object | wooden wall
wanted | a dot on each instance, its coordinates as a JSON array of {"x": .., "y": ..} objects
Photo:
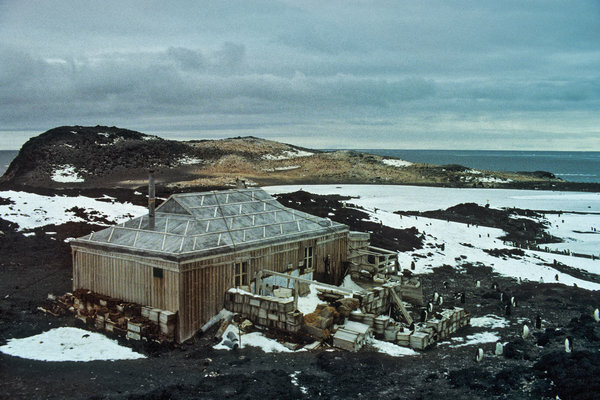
[
  {"x": 126, "y": 277},
  {"x": 196, "y": 289},
  {"x": 204, "y": 282}
]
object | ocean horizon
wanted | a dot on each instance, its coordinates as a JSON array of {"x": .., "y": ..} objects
[{"x": 572, "y": 166}]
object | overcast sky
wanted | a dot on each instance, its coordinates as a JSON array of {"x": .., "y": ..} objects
[{"x": 350, "y": 74}]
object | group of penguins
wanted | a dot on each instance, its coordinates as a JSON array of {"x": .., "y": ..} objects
[{"x": 508, "y": 303}]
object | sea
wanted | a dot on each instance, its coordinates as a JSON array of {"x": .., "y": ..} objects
[{"x": 574, "y": 166}]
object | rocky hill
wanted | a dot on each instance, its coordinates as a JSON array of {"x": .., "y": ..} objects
[{"x": 110, "y": 157}]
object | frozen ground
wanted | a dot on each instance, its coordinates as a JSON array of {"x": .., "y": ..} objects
[
  {"x": 31, "y": 211},
  {"x": 68, "y": 344},
  {"x": 464, "y": 243}
]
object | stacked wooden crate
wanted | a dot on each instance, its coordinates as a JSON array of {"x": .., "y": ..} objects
[
  {"x": 272, "y": 312},
  {"x": 123, "y": 318},
  {"x": 430, "y": 331}
]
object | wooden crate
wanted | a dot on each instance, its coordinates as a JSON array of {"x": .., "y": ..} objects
[
  {"x": 419, "y": 340},
  {"x": 347, "y": 340}
]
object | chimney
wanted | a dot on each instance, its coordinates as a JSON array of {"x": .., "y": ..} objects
[{"x": 151, "y": 200}]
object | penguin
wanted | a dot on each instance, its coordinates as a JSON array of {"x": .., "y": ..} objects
[
  {"x": 556, "y": 277},
  {"x": 513, "y": 302},
  {"x": 479, "y": 355},
  {"x": 520, "y": 280},
  {"x": 436, "y": 295},
  {"x": 569, "y": 344},
  {"x": 423, "y": 315},
  {"x": 499, "y": 349},
  {"x": 494, "y": 286},
  {"x": 525, "y": 332},
  {"x": 597, "y": 315},
  {"x": 412, "y": 265},
  {"x": 430, "y": 307},
  {"x": 541, "y": 279},
  {"x": 478, "y": 284},
  {"x": 507, "y": 310},
  {"x": 538, "y": 322},
  {"x": 445, "y": 285},
  {"x": 462, "y": 298},
  {"x": 441, "y": 300},
  {"x": 502, "y": 297},
  {"x": 411, "y": 327}
]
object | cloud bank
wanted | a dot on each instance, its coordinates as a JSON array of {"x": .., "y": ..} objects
[{"x": 466, "y": 74}]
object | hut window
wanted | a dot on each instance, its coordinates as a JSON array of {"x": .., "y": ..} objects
[
  {"x": 157, "y": 272},
  {"x": 308, "y": 257},
  {"x": 240, "y": 275}
]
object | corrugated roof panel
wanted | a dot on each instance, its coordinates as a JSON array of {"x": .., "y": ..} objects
[
  {"x": 205, "y": 212},
  {"x": 178, "y": 226},
  {"x": 251, "y": 217},
  {"x": 172, "y": 244},
  {"x": 123, "y": 237},
  {"x": 171, "y": 206},
  {"x": 149, "y": 240},
  {"x": 239, "y": 222},
  {"x": 229, "y": 210}
]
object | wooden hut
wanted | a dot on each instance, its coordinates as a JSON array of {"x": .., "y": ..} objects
[{"x": 183, "y": 256}]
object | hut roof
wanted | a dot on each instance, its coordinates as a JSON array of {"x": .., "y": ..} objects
[{"x": 192, "y": 225}]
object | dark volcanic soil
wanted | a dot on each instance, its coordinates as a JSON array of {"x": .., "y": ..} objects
[{"x": 532, "y": 368}]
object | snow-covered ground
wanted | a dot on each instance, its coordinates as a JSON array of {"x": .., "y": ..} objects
[
  {"x": 464, "y": 243},
  {"x": 68, "y": 344},
  {"x": 66, "y": 174},
  {"x": 396, "y": 163},
  {"x": 31, "y": 211},
  {"x": 287, "y": 154}
]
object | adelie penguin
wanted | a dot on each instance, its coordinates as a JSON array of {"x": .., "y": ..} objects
[
  {"x": 507, "y": 310},
  {"x": 597, "y": 315},
  {"x": 499, "y": 349},
  {"x": 430, "y": 307},
  {"x": 494, "y": 286},
  {"x": 513, "y": 302},
  {"x": 479, "y": 355},
  {"x": 538, "y": 322},
  {"x": 525, "y": 332},
  {"x": 436, "y": 296},
  {"x": 440, "y": 301},
  {"x": 462, "y": 298},
  {"x": 569, "y": 344},
  {"x": 424, "y": 315}
]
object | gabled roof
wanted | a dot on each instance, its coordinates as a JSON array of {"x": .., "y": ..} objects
[{"x": 196, "y": 224}]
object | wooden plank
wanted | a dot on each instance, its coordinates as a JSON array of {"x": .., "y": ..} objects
[{"x": 398, "y": 302}]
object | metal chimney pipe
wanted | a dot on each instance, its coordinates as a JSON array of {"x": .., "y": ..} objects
[{"x": 151, "y": 200}]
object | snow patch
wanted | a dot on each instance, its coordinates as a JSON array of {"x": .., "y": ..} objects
[
  {"x": 392, "y": 349},
  {"x": 490, "y": 321},
  {"x": 254, "y": 339},
  {"x": 477, "y": 338},
  {"x": 68, "y": 344},
  {"x": 188, "y": 160},
  {"x": 67, "y": 174},
  {"x": 32, "y": 211},
  {"x": 396, "y": 163},
  {"x": 287, "y": 154}
]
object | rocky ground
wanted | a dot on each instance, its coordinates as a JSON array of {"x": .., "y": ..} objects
[
  {"x": 531, "y": 368},
  {"x": 108, "y": 157}
]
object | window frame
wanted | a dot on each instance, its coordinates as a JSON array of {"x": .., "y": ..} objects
[{"x": 241, "y": 273}]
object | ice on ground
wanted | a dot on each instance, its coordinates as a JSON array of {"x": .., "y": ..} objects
[
  {"x": 476, "y": 338},
  {"x": 68, "y": 344},
  {"x": 392, "y": 349},
  {"x": 580, "y": 232},
  {"x": 66, "y": 174},
  {"x": 308, "y": 303},
  {"x": 490, "y": 321},
  {"x": 287, "y": 154},
  {"x": 396, "y": 163},
  {"x": 294, "y": 377},
  {"x": 348, "y": 283},
  {"x": 188, "y": 160},
  {"x": 422, "y": 198},
  {"x": 254, "y": 339},
  {"x": 32, "y": 211},
  {"x": 466, "y": 243}
]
